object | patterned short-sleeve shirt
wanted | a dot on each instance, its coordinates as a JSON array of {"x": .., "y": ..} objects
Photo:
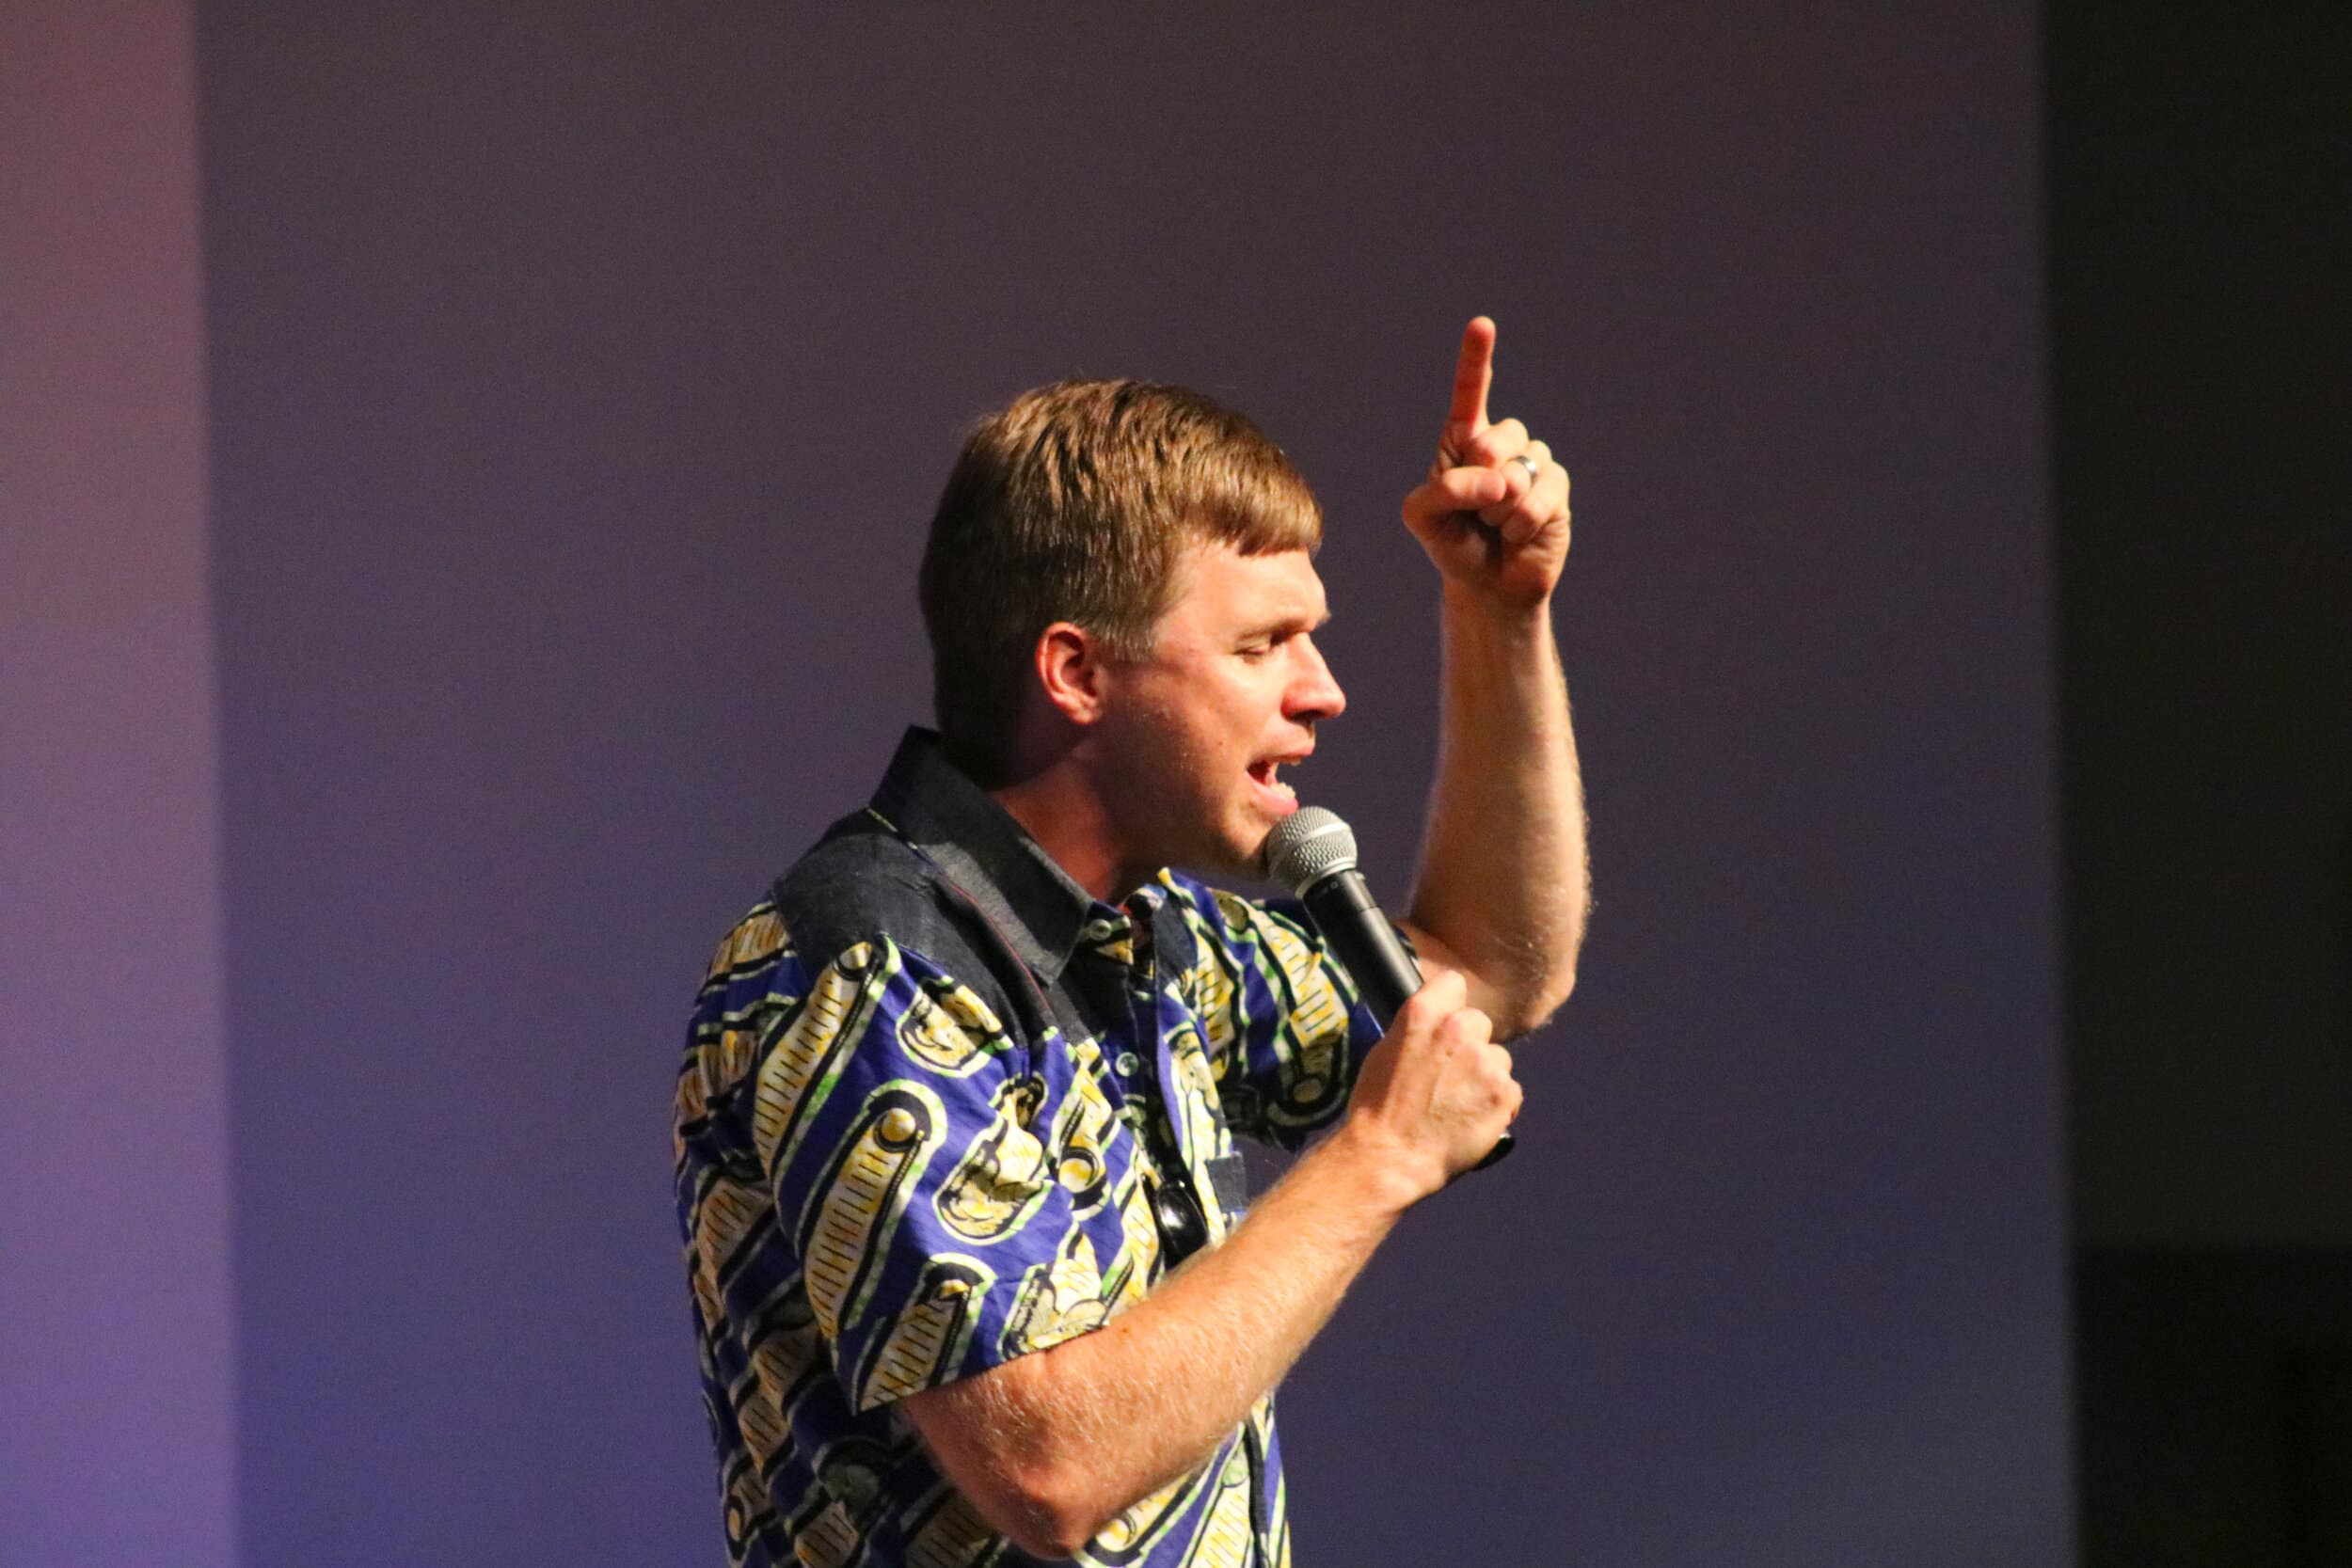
[{"x": 940, "y": 1109}]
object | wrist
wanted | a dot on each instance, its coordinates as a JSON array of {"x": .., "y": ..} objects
[
  {"x": 1388, "y": 1175},
  {"x": 1509, "y": 619}
]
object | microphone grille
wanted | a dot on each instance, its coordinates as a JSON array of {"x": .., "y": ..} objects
[{"x": 1307, "y": 846}]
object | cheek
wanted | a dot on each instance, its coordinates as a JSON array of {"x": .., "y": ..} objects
[
  {"x": 1181, "y": 739},
  {"x": 1205, "y": 722}
]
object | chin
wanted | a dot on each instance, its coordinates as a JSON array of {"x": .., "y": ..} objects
[
  {"x": 1225, "y": 843},
  {"x": 1224, "y": 856},
  {"x": 1242, "y": 853}
]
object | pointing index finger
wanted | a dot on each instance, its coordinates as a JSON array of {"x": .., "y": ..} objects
[{"x": 1473, "y": 374}]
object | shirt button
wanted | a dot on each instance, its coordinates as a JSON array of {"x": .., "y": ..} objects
[{"x": 1129, "y": 1064}]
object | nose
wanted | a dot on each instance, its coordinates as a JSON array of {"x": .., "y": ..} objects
[{"x": 1314, "y": 692}]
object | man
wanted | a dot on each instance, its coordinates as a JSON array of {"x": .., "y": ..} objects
[{"x": 960, "y": 1096}]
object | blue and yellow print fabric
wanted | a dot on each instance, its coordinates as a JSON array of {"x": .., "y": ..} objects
[{"x": 883, "y": 1188}]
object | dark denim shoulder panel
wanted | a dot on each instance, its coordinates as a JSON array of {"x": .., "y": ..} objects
[{"x": 861, "y": 882}]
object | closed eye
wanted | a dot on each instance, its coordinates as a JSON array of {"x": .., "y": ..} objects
[{"x": 1261, "y": 643}]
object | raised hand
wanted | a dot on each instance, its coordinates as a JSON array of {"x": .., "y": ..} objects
[{"x": 1493, "y": 512}]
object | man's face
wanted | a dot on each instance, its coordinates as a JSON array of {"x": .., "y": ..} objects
[{"x": 1195, "y": 731}]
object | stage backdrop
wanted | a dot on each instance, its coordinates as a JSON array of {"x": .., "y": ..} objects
[
  {"x": 580, "y": 381},
  {"x": 117, "y": 1385}
]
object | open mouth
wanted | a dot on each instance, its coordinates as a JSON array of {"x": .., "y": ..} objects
[{"x": 1277, "y": 796}]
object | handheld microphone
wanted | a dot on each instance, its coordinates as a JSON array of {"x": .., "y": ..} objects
[{"x": 1313, "y": 852}]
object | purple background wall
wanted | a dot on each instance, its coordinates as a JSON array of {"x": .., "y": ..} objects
[
  {"x": 115, "y": 1389},
  {"x": 578, "y": 387}
]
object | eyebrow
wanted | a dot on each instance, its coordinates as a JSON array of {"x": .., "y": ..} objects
[{"x": 1287, "y": 622}]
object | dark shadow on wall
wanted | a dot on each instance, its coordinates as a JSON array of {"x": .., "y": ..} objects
[
  {"x": 2199, "y": 246},
  {"x": 2217, "y": 1405}
]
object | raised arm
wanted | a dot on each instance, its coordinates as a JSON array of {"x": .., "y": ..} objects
[{"x": 1504, "y": 884}]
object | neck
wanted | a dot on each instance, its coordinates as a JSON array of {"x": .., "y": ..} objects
[{"x": 1060, "y": 806}]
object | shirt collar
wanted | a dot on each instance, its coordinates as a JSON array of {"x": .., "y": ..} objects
[{"x": 1032, "y": 901}]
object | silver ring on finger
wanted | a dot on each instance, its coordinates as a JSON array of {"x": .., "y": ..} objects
[{"x": 1535, "y": 470}]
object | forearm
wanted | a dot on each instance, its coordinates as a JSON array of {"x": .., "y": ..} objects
[
  {"x": 1504, "y": 883},
  {"x": 1053, "y": 1445}
]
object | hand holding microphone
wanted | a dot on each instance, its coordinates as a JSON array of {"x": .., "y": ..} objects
[{"x": 1446, "y": 1071}]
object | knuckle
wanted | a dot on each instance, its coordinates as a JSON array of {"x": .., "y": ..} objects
[
  {"x": 1499, "y": 442},
  {"x": 1427, "y": 1010},
  {"x": 1472, "y": 1026}
]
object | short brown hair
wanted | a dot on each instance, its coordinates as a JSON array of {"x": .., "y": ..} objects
[{"x": 1074, "y": 504}]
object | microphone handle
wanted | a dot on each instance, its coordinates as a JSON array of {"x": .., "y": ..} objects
[{"x": 1364, "y": 942}]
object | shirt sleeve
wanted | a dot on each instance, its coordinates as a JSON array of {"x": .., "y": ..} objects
[
  {"x": 1287, "y": 1028},
  {"x": 943, "y": 1185}
]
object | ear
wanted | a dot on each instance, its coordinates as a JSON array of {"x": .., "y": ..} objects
[{"x": 1072, "y": 670}]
